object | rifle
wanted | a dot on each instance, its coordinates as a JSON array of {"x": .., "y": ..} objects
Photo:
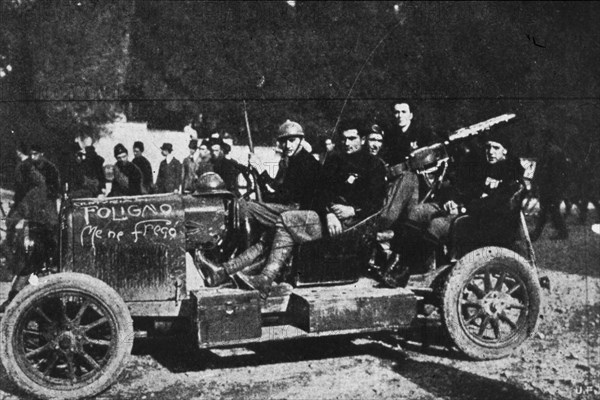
[{"x": 252, "y": 171}]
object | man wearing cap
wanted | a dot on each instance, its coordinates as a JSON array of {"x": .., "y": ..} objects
[
  {"x": 127, "y": 179},
  {"x": 169, "y": 172},
  {"x": 190, "y": 165},
  {"x": 351, "y": 188},
  {"x": 491, "y": 203},
  {"x": 226, "y": 168},
  {"x": 144, "y": 165},
  {"x": 292, "y": 188}
]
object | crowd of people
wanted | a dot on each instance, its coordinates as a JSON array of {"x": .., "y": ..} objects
[{"x": 312, "y": 195}]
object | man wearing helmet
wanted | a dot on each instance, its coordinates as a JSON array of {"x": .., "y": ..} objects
[
  {"x": 292, "y": 188},
  {"x": 351, "y": 188}
]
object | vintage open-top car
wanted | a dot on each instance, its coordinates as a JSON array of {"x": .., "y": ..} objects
[{"x": 127, "y": 265}]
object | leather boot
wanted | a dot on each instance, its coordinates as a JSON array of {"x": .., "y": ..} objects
[
  {"x": 283, "y": 244},
  {"x": 217, "y": 274},
  {"x": 396, "y": 273}
]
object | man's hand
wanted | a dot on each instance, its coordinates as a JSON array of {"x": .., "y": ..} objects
[
  {"x": 334, "y": 226},
  {"x": 256, "y": 163},
  {"x": 342, "y": 212},
  {"x": 451, "y": 207}
]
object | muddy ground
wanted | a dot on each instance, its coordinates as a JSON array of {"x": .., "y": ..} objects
[{"x": 562, "y": 361}]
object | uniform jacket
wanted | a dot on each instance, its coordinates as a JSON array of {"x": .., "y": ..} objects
[
  {"x": 295, "y": 182},
  {"x": 357, "y": 180},
  {"x": 398, "y": 145}
]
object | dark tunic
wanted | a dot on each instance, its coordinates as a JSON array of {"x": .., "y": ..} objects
[
  {"x": 398, "y": 145},
  {"x": 228, "y": 170},
  {"x": 357, "y": 180},
  {"x": 144, "y": 165},
  {"x": 127, "y": 180},
  {"x": 295, "y": 182},
  {"x": 169, "y": 176}
]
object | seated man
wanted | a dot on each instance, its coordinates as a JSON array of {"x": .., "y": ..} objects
[
  {"x": 292, "y": 188},
  {"x": 351, "y": 188},
  {"x": 489, "y": 203}
]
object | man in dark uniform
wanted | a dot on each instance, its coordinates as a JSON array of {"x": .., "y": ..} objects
[
  {"x": 550, "y": 176},
  {"x": 169, "y": 172},
  {"x": 144, "y": 165},
  {"x": 127, "y": 179},
  {"x": 491, "y": 204},
  {"x": 292, "y": 188},
  {"x": 226, "y": 168},
  {"x": 399, "y": 141},
  {"x": 351, "y": 188}
]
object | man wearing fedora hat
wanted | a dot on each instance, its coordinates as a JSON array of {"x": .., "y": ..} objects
[
  {"x": 169, "y": 172},
  {"x": 127, "y": 179},
  {"x": 293, "y": 188}
]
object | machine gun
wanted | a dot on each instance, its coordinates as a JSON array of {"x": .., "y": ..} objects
[{"x": 429, "y": 160}]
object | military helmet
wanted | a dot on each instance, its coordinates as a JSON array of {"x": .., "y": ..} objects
[
  {"x": 210, "y": 182},
  {"x": 290, "y": 129}
]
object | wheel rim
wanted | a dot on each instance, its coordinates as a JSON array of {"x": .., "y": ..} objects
[
  {"x": 494, "y": 305},
  {"x": 65, "y": 341}
]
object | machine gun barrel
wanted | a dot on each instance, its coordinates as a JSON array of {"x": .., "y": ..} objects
[{"x": 479, "y": 127}]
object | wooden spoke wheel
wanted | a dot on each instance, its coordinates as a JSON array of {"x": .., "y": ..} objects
[
  {"x": 67, "y": 337},
  {"x": 491, "y": 302}
]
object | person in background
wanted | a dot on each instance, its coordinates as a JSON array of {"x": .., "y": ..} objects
[
  {"x": 226, "y": 168},
  {"x": 204, "y": 158},
  {"x": 190, "y": 131},
  {"x": 190, "y": 165},
  {"x": 550, "y": 177},
  {"x": 21, "y": 185},
  {"x": 144, "y": 166},
  {"x": 127, "y": 179},
  {"x": 94, "y": 167},
  {"x": 374, "y": 140},
  {"x": 169, "y": 172}
]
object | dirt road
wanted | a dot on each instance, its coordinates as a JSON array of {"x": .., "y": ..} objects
[{"x": 560, "y": 362}]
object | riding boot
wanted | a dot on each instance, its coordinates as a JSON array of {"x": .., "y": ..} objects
[
  {"x": 218, "y": 274},
  {"x": 283, "y": 244}
]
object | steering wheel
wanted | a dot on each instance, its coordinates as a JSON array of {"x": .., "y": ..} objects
[{"x": 249, "y": 189}]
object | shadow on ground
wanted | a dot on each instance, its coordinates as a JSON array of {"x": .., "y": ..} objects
[{"x": 439, "y": 380}]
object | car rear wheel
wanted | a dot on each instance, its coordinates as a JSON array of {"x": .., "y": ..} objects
[
  {"x": 66, "y": 337},
  {"x": 491, "y": 302}
]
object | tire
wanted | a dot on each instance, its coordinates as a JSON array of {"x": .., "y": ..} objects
[
  {"x": 67, "y": 337},
  {"x": 491, "y": 302}
]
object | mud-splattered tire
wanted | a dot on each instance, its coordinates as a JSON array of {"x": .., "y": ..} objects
[
  {"x": 67, "y": 337},
  {"x": 491, "y": 302}
]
